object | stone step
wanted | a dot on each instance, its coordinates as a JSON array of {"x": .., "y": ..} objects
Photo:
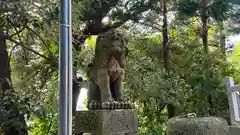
[{"x": 234, "y": 130}]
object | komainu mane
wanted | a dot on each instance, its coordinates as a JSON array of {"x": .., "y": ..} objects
[{"x": 106, "y": 72}]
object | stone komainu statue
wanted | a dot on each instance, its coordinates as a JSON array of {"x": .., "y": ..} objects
[{"x": 106, "y": 72}]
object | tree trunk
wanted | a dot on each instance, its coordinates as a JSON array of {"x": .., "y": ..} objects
[
  {"x": 171, "y": 109},
  {"x": 5, "y": 80},
  {"x": 204, "y": 19},
  {"x": 222, "y": 39},
  {"x": 204, "y": 34}
]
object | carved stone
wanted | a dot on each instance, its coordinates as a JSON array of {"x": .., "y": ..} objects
[
  {"x": 106, "y": 122},
  {"x": 106, "y": 72},
  {"x": 234, "y": 106},
  {"x": 198, "y": 126},
  {"x": 234, "y": 102},
  {"x": 234, "y": 130}
]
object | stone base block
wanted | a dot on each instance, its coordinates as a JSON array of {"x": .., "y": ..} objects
[
  {"x": 198, "y": 126},
  {"x": 106, "y": 122},
  {"x": 234, "y": 130}
]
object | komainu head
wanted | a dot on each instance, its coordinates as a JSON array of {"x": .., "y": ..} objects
[{"x": 111, "y": 43}]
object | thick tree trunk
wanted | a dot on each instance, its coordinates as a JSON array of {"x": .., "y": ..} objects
[
  {"x": 6, "y": 85},
  {"x": 171, "y": 109}
]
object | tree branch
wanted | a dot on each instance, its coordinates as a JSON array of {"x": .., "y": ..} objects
[
  {"x": 25, "y": 53},
  {"x": 7, "y": 37},
  {"x": 50, "y": 125},
  {"x": 18, "y": 32},
  {"x": 41, "y": 40},
  {"x": 98, "y": 28},
  {"x": 10, "y": 55},
  {"x": 149, "y": 25},
  {"x": 3, "y": 10}
]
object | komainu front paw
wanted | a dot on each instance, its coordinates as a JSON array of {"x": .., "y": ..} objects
[
  {"x": 93, "y": 105},
  {"x": 107, "y": 104},
  {"x": 123, "y": 105}
]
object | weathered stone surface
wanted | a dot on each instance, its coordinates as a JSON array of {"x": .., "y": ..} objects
[
  {"x": 97, "y": 105},
  {"x": 198, "y": 126},
  {"x": 106, "y": 72},
  {"x": 234, "y": 130},
  {"x": 233, "y": 99},
  {"x": 106, "y": 122}
]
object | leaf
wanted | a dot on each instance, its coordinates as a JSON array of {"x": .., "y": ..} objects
[
  {"x": 91, "y": 41},
  {"x": 53, "y": 47}
]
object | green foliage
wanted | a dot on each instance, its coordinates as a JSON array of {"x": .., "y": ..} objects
[
  {"x": 190, "y": 8},
  {"x": 219, "y": 9},
  {"x": 149, "y": 87},
  {"x": 91, "y": 41},
  {"x": 93, "y": 11},
  {"x": 45, "y": 125},
  {"x": 234, "y": 57},
  {"x": 10, "y": 104}
]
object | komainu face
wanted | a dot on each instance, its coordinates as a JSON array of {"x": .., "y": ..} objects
[
  {"x": 112, "y": 40},
  {"x": 111, "y": 43}
]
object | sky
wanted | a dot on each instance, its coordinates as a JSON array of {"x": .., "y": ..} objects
[
  {"x": 234, "y": 39},
  {"x": 82, "y": 96}
]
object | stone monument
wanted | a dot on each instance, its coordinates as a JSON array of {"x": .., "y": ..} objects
[
  {"x": 109, "y": 112},
  {"x": 234, "y": 105},
  {"x": 192, "y": 125}
]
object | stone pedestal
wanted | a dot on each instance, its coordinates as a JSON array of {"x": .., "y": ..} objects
[
  {"x": 106, "y": 122},
  {"x": 198, "y": 126},
  {"x": 234, "y": 130}
]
